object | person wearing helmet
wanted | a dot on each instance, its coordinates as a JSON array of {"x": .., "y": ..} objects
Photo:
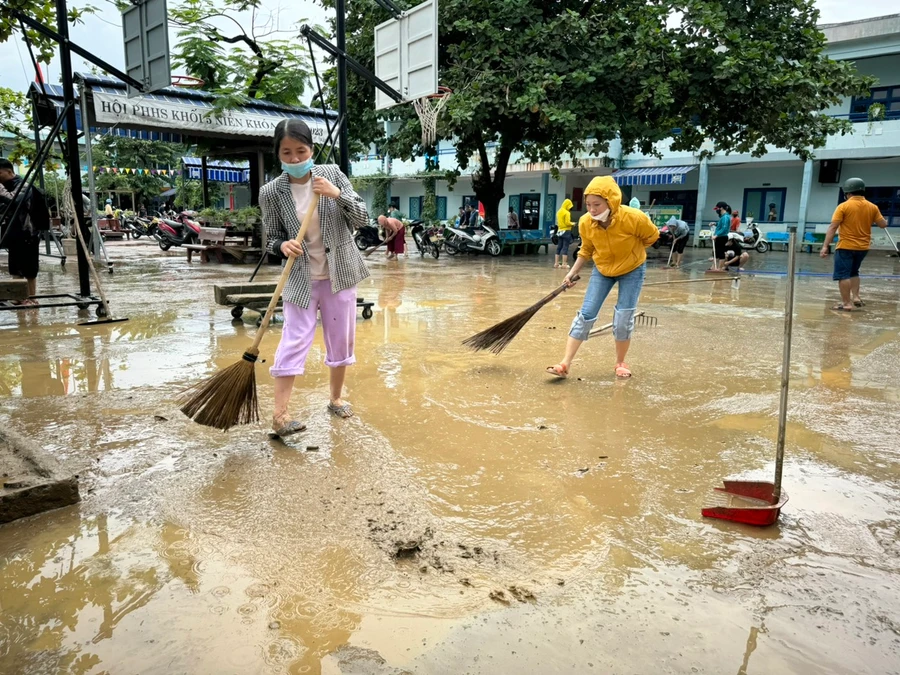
[
  {"x": 108, "y": 212},
  {"x": 720, "y": 236},
  {"x": 614, "y": 238},
  {"x": 852, "y": 220}
]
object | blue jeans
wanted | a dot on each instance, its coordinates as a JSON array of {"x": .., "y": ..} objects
[
  {"x": 563, "y": 239},
  {"x": 599, "y": 287}
]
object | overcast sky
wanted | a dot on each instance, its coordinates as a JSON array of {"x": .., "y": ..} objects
[{"x": 102, "y": 32}]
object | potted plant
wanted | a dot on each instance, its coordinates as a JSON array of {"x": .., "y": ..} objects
[
  {"x": 207, "y": 216},
  {"x": 876, "y": 114}
]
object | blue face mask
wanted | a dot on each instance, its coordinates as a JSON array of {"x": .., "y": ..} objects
[{"x": 298, "y": 170}]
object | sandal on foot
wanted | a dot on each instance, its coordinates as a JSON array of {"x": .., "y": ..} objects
[
  {"x": 559, "y": 370},
  {"x": 859, "y": 303},
  {"x": 840, "y": 308},
  {"x": 342, "y": 411},
  {"x": 623, "y": 371},
  {"x": 289, "y": 429}
]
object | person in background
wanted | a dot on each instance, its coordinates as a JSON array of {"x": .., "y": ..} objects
[
  {"x": 720, "y": 235},
  {"x": 735, "y": 255},
  {"x": 680, "y": 232},
  {"x": 142, "y": 212},
  {"x": 563, "y": 234},
  {"x": 460, "y": 218},
  {"x": 773, "y": 214},
  {"x": 467, "y": 218},
  {"x": 852, "y": 220},
  {"x": 635, "y": 203},
  {"x": 108, "y": 211},
  {"x": 394, "y": 212},
  {"x": 396, "y": 230},
  {"x": 614, "y": 239},
  {"x": 735, "y": 221},
  {"x": 22, "y": 238},
  {"x": 512, "y": 220},
  {"x": 326, "y": 272}
]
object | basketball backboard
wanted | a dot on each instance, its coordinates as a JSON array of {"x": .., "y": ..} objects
[
  {"x": 145, "y": 29},
  {"x": 406, "y": 54}
]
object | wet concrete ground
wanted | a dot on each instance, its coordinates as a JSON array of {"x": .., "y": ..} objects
[{"x": 557, "y": 522}]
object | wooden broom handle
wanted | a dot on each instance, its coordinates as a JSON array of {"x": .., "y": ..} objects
[
  {"x": 563, "y": 287},
  {"x": 285, "y": 273}
]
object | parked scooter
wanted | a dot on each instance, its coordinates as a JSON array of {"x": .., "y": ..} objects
[
  {"x": 422, "y": 235},
  {"x": 139, "y": 227},
  {"x": 484, "y": 238},
  {"x": 368, "y": 236},
  {"x": 751, "y": 239},
  {"x": 181, "y": 230}
]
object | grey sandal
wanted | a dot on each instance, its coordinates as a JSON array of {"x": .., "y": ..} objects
[
  {"x": 289, "y": 429},
  {"x": 342, "y": 411}
]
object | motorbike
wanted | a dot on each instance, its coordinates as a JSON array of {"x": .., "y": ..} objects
[
  {"x": 139, "y": 227},
  {"x": 367, "y": 236},
  {"x": 459, "y": 240},
  {"x": 751, "y": 239},
  {"x": 422, "y": 235},
  {"x": 181, "y": 230}
]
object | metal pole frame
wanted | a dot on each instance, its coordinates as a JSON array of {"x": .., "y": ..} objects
[{"x": 785, "y": 359}]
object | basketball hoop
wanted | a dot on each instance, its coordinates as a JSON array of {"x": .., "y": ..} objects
[
  {"x": 187, "y": 82},
  {"x": 428, "y": 108}
]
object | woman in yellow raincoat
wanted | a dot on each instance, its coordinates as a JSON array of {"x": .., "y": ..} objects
[
  {"x": 614, "y": 237},
  {"x": 563, "y": 234}
]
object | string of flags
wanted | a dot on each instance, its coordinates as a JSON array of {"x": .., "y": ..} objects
[{"x": 139, "y": 172}]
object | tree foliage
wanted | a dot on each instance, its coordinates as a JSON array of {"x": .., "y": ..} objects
[
  {"x": 240, "y": 61},
  {"x": 546, "y": 79},
  {"x": 43, "y": 11},
  {"x": 132, "y": 153}
]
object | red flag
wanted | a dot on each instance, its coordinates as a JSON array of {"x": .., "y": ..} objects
[{"x": 39, "y": 75}]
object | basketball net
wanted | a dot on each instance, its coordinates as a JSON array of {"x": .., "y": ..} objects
[{"x": 428, "y": 108}]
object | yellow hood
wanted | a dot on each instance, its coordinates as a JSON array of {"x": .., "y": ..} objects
[
  {"x": 567, "y": 204},
  {"x": 606, "y": 187}
]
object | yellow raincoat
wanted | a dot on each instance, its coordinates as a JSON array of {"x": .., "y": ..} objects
[
  {"x": 621, "y": 247},
  {"x": 564, "y": 217}
]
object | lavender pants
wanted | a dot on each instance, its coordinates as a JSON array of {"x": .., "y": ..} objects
[{"x": 338, "y": 325}]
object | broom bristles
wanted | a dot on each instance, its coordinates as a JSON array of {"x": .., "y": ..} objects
[
  {"x": 497, "y": 337},
  {"x": 225, "y": 399}
]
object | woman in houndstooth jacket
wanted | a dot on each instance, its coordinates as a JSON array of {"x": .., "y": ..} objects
[{"x": 326, "y": 272}]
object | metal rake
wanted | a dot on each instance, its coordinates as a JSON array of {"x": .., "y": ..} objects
[{"x": 640, "y": 319}]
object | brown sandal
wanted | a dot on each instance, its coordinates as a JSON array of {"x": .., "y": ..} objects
[{"x": 560, "y": 370}]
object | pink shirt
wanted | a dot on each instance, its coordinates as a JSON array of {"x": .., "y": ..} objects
[{"x": 315, "y": 247}]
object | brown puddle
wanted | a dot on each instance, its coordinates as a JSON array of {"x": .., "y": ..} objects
[{"x": 475, "y": 516}]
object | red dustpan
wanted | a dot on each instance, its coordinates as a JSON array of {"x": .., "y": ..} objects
[{"x": 760, "y": 502}]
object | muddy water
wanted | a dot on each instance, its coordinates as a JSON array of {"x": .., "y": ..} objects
[{"x": 542, "y": 526}]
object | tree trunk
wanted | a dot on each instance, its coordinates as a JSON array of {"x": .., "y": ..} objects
[{"x": 488, "y": 188}]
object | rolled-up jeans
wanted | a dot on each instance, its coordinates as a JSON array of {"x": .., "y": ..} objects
[
  {"x": 598, "y": 288},
  {"x": 563, "y": 241}
]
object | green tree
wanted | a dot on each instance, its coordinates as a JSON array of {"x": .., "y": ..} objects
[
  {"x": 552, "y": 78},
  {"x": 43, "y": 11},
  {"x": 236, "y": 60},
  {"x": 132, "y": 153}
]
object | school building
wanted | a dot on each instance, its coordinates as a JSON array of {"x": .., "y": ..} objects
[{"x": 770, "y": 189}]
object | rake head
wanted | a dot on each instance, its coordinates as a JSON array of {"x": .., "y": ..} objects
[{"x": 644, "y": 320}]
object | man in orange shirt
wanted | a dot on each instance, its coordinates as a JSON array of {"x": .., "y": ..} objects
[{"x": 853, "y": 220}]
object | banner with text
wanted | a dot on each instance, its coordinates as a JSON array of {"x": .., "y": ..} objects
[{"x": 110, "y": 109}]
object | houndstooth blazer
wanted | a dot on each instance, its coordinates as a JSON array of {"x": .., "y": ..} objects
[{"x": 338, "y": 217}]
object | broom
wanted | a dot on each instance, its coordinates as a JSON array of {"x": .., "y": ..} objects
[
  {"x": 369, "y": 251},
  {"x": 229, "y": 397},
  {"x": 496, "y": 338}
]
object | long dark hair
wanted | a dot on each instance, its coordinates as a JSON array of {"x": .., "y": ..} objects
[{"x": 292, "y": 128}]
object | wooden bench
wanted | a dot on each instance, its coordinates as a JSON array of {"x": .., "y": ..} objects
[
  {"x": 515, "y": 239},
  {"x": 211, "y": 239}
]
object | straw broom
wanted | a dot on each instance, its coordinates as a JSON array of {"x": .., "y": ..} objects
[
  {"x": 496, "y": 338},
  {"x": 229, "y": 397}
]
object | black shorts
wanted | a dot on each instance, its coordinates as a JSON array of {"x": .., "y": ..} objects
[
  {"x": 24, "y": 256},
  {"x": 847, "y": 263},
  {"x": 719, "y": 246},
  {"x": 680, "y": 244}
]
